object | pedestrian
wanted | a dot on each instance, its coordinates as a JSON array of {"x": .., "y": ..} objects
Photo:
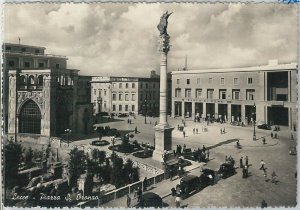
[
  {"x": 135, "y": 130},
  {"x": 127, "y": 121},
  {"x": 221, "y": 131},
  {"x": 145, "y": 184},
  {"x": 247, "y": 161},
  {"x": 196, "y": 130},
  {"x": 264, "y": 204},
  {"x": 241, "y": 162},
  {"x": 183, "y": 134},
  {"x": 226, "y": 158},
  {"x": 178, "y": 127},
  {"x": 184, "y": 147},
  {"x": 292, "y": 136},
  {"x": 177, "y": 201},
  {"x": 128, "y": 201},
  {"x": 203, "y": 148},
  {"x": 272, "y": 135},
  {"x": 262, "y": 165},
  {"x": 274, "y": 177},
  {"x": 193, "y": 130},
  {"x": 275, "y": 135},
  {"x": 139, "y": 194}
]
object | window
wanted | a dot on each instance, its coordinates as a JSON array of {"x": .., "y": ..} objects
[
  {"x": 250, "y": 95},
  {"x": 210, "y": 80},
  {"x": 249, "y": 80},
  {"x": 198, "y": 81},
  {"x": 40, "y": 79},
  {"x": 133, "y": 97},
  {"x": 188, "y": 81},
  {"x": 141, "y": 85},
  {"x": 99, "y": 91},
  {"x": 222, "y": 81},
  {"x": 30, "y": 118},
  {"x": 222, "y": 94},
  {"x": 236, "y": 94},
  {"x": 153, "y": 95},
  {"x": 7, "y": 48},
  {"x": 126, "y": 97},
  {"x": 41, "y": 65},
  {"x": 120, "y": 97},
  {"x": 104, "y": 105},
  {"x": 57, "y": 65},
  {"x": 114, "y": 107},
  {"x": 198, "y": 93},
  {"x": 120, "y": 85},
  {"x": 11, "y": 63},
  {"x": 114, "y": 85},
  {"x": 235, "y": 81},
  {"x": 114, "y": 97},
  {"x": 133, "y": 85},
  {"x": 127, "y": 85},
  {"x": 104, "y": 92},
  {"x": 178, "y": 81},
  {"x": 141, "y": 96},
  {"x": 23, "y": 49},
  {"x": 26, "y": 64},
  {"x": 120, "y": 107},
  {"x": 188, "y": 92},
  {"x": 177, "y": 92},
  {"x": 126, "y": 108},
  {"x": 210, "y": 93},
  {"x": 37, "y": 51},
  {"x": 132, "y": 108},
  {"x": 31, "y": 80},
  {"x": 146, "y": 85},
  {"x": 153, "y": 85}
]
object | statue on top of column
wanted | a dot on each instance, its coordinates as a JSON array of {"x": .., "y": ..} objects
[{"x": 163, "y": 24}]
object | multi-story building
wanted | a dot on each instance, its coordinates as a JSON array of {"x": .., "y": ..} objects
[
  {"x": 42, "y": 98},
  {"x": 125, "y": 95},
  {"x": 237, "y": 94}
]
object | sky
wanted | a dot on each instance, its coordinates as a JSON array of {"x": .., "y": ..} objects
[{"x": 110, "y": 39}]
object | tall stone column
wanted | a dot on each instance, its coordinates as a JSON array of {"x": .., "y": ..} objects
[
  {"x": 12, "y": 109},
  {"x": 163, "y": 133}
]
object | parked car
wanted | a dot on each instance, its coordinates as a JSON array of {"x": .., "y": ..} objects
[
  {"x": 264, "y": 126},
  {"x": 123, "y": 115},
  {"x": 150, "y": 199},
  {"x": 226, "y": 170},
  {"x": 293, "y": 151},
  {"x": 207, "y": 177},
  {"x": 187, "y": 185}
]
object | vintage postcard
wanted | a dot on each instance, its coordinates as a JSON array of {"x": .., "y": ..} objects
[{"x": 137, "y": 105}]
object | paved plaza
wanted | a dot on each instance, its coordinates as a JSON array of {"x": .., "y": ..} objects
[{"x": 233, "y": 191}]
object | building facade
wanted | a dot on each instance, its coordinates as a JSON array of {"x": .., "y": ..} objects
[
  {"x": 42, "y": 97},
  {"x": 267, "y": 93},
  {"x": 125, "y": 95}
]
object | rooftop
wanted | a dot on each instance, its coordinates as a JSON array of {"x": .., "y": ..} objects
[{"x": 272, "y": 66}]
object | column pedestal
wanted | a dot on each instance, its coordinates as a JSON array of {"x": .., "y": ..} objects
[{"x": 163, "y": 141}]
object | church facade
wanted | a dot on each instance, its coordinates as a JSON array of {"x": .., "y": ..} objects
[{"x": 42, "y": 97}]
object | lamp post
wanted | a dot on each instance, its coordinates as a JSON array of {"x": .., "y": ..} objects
[
  {"x": 145, "y": 108},
  {"x": 254, "y": 119},
  {"x": 68, "y": 131}
]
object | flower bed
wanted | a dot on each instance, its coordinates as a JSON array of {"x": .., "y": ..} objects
[{"x": 100, "y": 143}]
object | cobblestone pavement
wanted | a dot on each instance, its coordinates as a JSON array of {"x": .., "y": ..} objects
[{"x": 233, "y": 191}]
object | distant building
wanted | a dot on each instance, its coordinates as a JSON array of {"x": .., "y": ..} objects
[
  {"x": 125, "y": 95},
  {"x": 42, "y": 98},
  {"x": 230, "y": 94}
]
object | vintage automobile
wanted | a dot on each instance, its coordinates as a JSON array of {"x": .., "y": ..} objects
[
  {"x": 226, "y": 170},
  {"x": 150, "y": 199},
  {"x": 188, "y": 184},
  {"x": 264, "y": 127},
  {"x": 207, "y": 177}
]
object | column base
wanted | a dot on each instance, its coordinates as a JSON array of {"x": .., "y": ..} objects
[{"x": 163, "y": 141}]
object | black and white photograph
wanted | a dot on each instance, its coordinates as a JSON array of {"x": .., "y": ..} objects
[{"x": 149, "y": 105}]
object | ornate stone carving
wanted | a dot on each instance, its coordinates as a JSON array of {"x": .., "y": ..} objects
[{"x": 35, "y": 96}]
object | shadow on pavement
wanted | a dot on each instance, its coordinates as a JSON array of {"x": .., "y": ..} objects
[{"x": 222, "y": 143}]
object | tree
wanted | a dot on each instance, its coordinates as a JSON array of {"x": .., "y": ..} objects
[
  {"x": 76, "y": 166},
  {"x": 12, "y": 159},
  {"x": 117, "y": 170},
  {"x": 29, "y": 157}
]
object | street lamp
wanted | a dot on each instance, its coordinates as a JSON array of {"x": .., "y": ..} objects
[
  {"x": 254, "y": 119},
  {"x": 145, "y": 108},
  {"x": 68, "y": 131}
]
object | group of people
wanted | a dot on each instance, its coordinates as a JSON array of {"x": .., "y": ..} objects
[
  {"x": 244, "y": 166},
  {"x": 273, "y": 175}
]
